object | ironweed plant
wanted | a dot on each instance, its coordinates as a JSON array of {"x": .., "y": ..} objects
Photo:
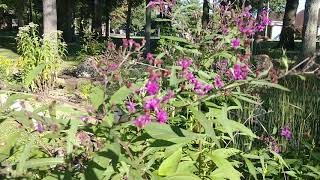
[{"x": 174, "y": 120}]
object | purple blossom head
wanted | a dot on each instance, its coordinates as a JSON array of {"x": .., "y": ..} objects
[
  {"x": 237, "y": 72},
  {"x": 235, "y": 43},
  {"x": 152, "y": 104},
  {"x": 131, "y": 107},
  {"x": 83, "y": 137},
  {"x": 184, "y": 63},
  {"x": 113, "y": 66},
  {"x": 39, "y": 127},
  {"x": 218, "y": 82},
  {"x": 162, "y": 116},
  {"x": 125, "y": 43},
  {"x": 150, "y": 57},
  {"x": 84, "y": 118},
  {"x": 208, "y": 88},
  {"x": 131, "y": 42},
  {"x": 152, "y": 87},
  {"x": 168, "y": 96},
  {"x": 143, "y": 120},
  {"x": 286, "y": 132},
  {"x": 276, "y": 148}
]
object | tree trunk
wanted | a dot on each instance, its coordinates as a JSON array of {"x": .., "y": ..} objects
[
  {"x": 205, "y": 15},
  {"x": 20, "y": 12},
  {"x": 148, "y": 28},
  {"x": 288, "y": 28},
  {"x": 49, "y": 16},
  {"x": 30, "y": 11},
  {"x": 107, "y": 24},
  {"x": 128, "y": 23},
  {"x": 65, "y": 18},
  {"x": 310, "y": 24},
  {"x": 97, "y": 20}
]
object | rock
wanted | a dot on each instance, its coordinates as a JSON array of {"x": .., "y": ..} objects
[{"x": 86, "y": 70}]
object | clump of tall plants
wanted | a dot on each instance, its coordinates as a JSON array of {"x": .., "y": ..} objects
[{"x": 40, "y": 59}]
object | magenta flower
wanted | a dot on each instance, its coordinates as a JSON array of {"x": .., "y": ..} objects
[
  {"x": 152, "y": 88},
  {"x": 131, "y": 42},
  {"x": 150, "y": 57},
  {"x": 131, "y": 107},
  {"x": 266, "y": 21},
  {"x": 218, "y": 82},
  {"x": 125, "y": 43},
  {"x": 143, "y": 120},
  {"x": 152, "y": 4},
  {"x": 83, "y": 137},
  {"x": 167, "y": 97},
  {"x": 39, "y": 127},
  {"x": 237, "y": 72},
  {"x": 152, "y": 104},
  {"x": 185, "y": 63},
  {"x": 84, "y": 118},
  {"x": 162, "y": 116},
  {"x": 113, "y": 66},
  {"x": 276, "y": 148},
  {"x": 286, "y": 132},
  {"x": 235, "y": 43}
]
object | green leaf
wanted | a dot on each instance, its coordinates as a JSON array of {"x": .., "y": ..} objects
[
  {"x": 291, "y": 173},
  {"x": 71, "y": 135},
  {"x": 169, "y": 166},
  {"x": 246, "y": 99},
  {"x": 97, "y": 97},
  {"x": 185, "y": 176},
  {"x": 226, "y": 152},
  {"x": 119, "y": 96},
  {"x": 33, "y": 74},
  {"x": 24, "y": 156},
  {"x": 225, "y": 168},
  {"x": 36, "y": 163},
  {"x": 313, "y": 169},
  {"x": 251, "y": 168},
  {"x": 269, "y": 84},
  {"x": 207, "y": 125},
  {"x": 170, "y": 133}
]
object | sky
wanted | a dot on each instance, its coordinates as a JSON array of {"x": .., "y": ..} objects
[{"x": 301, "y": 4}]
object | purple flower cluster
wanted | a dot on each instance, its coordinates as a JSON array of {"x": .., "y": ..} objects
[
  {"x": 272, "y": 142},
  {"x": 162, "y": 4},
  {"x": 131, "y": 107},
  {"x": 244, "y": 21},
  {"x": 152, "y": 87},
  {"x": 152, "y": 105},
  {"x": 286, "y": 132},
  {"x": 130, "y": 43},
  {"x": 218, "y": 82},
  {"x": 240, "y": 72},
  {"x": 199, "y": 88},
  {"x": 185, "y": 63},
  {"x": 143, "y": 120},
  {"x": 235, "y": 43}
]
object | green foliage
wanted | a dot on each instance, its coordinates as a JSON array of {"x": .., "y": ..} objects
[{"x": 40, "y": 57}]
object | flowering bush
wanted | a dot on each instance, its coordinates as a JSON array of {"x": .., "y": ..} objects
[{"x": 168, "y": 116}]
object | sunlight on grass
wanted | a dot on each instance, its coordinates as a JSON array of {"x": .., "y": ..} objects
[{"x": 8, "y": 53}]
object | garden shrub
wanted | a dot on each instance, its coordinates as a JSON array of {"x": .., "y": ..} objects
[
  {"x": 40, "y": 59},
  {"x": 165, "y": 116}
]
